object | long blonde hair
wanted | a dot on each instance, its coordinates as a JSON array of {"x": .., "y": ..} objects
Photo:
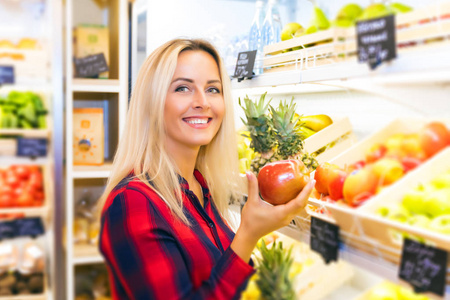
[{"x": 141, "y": 148}]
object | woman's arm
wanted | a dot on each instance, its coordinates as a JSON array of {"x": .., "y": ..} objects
[{"x": 145, "y": 259}]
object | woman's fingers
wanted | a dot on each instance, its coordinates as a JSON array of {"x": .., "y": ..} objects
[{"x": 299, "y": 202}]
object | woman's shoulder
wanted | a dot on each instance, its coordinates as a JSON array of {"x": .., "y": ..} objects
[{"x": 132, "y": 190}]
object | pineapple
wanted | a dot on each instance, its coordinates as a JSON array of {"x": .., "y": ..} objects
[
  {"x": 286, "y": 125},
  {"x": 261, "y": 132},
  {"x": 274, "y": 281}
]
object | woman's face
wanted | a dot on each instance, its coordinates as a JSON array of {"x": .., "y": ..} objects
[{"x": 194, "y": 106}]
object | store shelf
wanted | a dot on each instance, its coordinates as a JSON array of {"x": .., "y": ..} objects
[
  {"x": 29, "y": 133},
  {"x": 28, "y": 211},
  {"x": 429, "y": 67},
  {"x": 102, "y": 171},
  {"x": 96, "y": 85},
  {"x": 86, "y": 254},
  {"x": 26, "y": 297}
]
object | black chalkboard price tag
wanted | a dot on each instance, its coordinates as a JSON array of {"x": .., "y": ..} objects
[
  {"x": 424, "y": 267},
  {"x": 91, "y": 65},
  {"x": 376, "y": 40},
  {"x": 7, "y": 74},
  {"x": 30, "y": 147},
  {"x": 324, "y": 239},
  {"x": 244, "y": 65}
]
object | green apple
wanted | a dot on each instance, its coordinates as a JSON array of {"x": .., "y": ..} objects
[
  {"x": 320, "y": 19},
  {"x": 440, "y": 224},
  {"x": 289, "y": 30},
  {"x": 343, "y": 23},
  {"x": 299, "y": 32},
  {"x": 350, "y": 12},
  {"x": 376, "y": 10},
  {"x": 398, "y": 7},
  {"x": 421, "y": 221},
  {"x": 414, "y": 201},
  {"x": 394, "y": 211},
  {"x": 441, "y": 181},
  {"x": 384, "y": 291},
  {"x": 437, "y": 202}
]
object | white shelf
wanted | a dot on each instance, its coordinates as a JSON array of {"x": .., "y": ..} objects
[
  {"x": 422, "y": 67},
  {"x": 25, "y": 297},
  {"x": 85, "y": 254},
  {"x": 102, "y": 171},
  {"x": 28, "y": 211},
  {"x": 29, "y": 133},
  {"x": 96, "y": 85}
]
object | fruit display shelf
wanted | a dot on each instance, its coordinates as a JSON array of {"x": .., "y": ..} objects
[
  {"x": 417, "y": 30},
  {"x": 28, "y": 206}
]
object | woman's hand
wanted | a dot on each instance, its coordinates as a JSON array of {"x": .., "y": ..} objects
[{"x": 259, "y": 218}]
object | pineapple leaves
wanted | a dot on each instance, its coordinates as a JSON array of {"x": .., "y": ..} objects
[{"x": 273, "y": 270}]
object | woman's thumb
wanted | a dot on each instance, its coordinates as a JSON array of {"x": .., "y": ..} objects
[{"x": 253, "y": 191}]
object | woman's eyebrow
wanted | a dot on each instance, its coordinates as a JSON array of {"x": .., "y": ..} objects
[{"x": 190, "y": 80}]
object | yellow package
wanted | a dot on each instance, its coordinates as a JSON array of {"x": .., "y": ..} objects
[
  {"x": 88, "y": 136},
  {"x": 92, "y": 39}
]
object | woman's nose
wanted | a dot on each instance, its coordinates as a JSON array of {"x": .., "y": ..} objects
[{"x": 201, "y": 100}]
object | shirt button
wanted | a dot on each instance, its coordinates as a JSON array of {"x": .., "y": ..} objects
[{"x": 211, "y": 225}]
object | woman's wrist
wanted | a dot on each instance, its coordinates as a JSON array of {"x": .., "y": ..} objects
[{"x": 243, "y": 244}]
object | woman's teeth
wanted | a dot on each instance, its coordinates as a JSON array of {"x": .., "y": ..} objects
[{"x": 197, "y": 121}]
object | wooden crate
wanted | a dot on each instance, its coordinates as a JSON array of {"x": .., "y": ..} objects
[
  {"x": 418, "y": 30},
  {"x": 341, "y": 132}
]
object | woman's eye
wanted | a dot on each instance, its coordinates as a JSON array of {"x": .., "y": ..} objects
[
  {"x": 214, "y": 90},
  {"x": 182, "y": 89}
]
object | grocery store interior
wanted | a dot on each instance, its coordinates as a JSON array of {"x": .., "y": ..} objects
[{"x": 361, "y": 90}]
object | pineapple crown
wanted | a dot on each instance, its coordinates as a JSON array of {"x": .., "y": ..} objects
[
  {"x": 254, "y": 110},
  {"x": 273, "y": 270},
  {"x": 284, "y": 120}
]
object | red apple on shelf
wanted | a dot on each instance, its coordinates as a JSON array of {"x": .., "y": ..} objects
[
  {"x": 335, "y": 184},
  {"x": 360, "y": 185},
  {"x": 434, "y": 137},
  {"x": 376, "y": 152},
  {"x": 281, "y": 181},
  {"x": 355, "y": 166},
  {"x": 410, "y": 163},
  {"x": 322, "y": 175}
]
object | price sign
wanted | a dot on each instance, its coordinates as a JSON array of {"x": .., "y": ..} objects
[
  {"x": 7, "y": 74},
  {"x": 424, "y": 267},
  {"x": 324, "y": 239},
  {"x": 376, "y": 40},
  {"x": 244, "y": 65},
  {"x": 91, "y": 65},
  {"x": 32, "y": 147}
]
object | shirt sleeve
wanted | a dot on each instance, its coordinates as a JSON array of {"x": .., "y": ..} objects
[{"x": 145, "y": 259}]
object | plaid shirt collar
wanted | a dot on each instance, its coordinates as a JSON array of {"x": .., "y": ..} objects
[{"x": 185, "y": 185}]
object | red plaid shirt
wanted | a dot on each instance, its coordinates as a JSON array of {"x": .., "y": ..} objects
[{"x": 150, "y": 255}]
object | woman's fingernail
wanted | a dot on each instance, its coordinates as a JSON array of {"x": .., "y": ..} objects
[
  {"x": 312, "y": 183},
  {"x": 248, "y": 174}
]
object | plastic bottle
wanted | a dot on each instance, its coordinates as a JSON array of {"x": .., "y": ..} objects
[
  {"x": 271, "y": 29},
  {"x": 255, "y": 38}
]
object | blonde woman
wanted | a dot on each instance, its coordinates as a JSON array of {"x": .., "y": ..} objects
[{"x": 164, "y": 228}]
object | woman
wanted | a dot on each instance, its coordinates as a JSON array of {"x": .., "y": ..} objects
[{"x": 164, "y": 232}]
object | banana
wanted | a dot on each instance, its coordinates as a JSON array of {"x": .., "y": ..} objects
[
  {"x": 316, "y": 122},
  {"x": 305, "y": 132}
]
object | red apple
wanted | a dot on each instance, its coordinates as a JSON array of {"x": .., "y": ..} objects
[
  {"x": 281, "y": 181},
  {"x": 410, "y": 163},
  {"x": 376, "y": 152},
  {"x": 336, "y": 183},
  {"x": 355, "y": 166},
  {"x": 321, "y": 176},
  {"x": 360, "y": 185},
  {"x": 434, "y": 137}
]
